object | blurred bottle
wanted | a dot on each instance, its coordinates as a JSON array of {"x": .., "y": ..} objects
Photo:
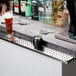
[
  {"x": 28, "y": 0},
  {"x": 28, "y": 9},
  {"x": 58, "y": 13},
  {"x": 22, "y": 7},
  {"x": 55, "y": 5},
  {"x": 34, "y": 10},
  {"x": 66, "y": 13},
  {"x": 61, "y": 17},
  {"x": 41, "y": 8},
  {"x": 16, "y": 6},
  {"x": 48, "y": 12}
]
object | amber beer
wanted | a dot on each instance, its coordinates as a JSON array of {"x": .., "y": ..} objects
[
  {"x": 8, "y": 21},
  {"x": 9, "y": 25}
]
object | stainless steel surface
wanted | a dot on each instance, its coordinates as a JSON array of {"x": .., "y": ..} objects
[
  {"x": 24, "y": 43},
  {"x": 58, "y": 55}
]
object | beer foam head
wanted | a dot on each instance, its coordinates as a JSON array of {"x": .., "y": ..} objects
[{"x": 8, "y": 15}]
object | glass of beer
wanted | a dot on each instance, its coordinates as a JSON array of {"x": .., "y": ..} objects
[{"x": 8, "y": 21}]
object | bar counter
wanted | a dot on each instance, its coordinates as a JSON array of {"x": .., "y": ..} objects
[{"x": 49, "y": 64}]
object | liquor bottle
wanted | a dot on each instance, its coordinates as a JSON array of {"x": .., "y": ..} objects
[
  {"x": 28, "y": 0},
  {"x": 34, "y": 10},
  {"x": 41, "y": 9},
  {"x": 22, "y": 7},
  {"x": 48, "y": 12},
  {"x": 66, "y": 13},
  {"x": 16, "y": 6},
  {"x": 28, "y": 9},
  {"x": 58, "y": 13},
  {"x": 61, "y": 17},
  {"x": 55, "y": 4}
]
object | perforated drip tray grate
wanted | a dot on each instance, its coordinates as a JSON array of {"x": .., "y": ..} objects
[
  {"x": 24, "y": 43},
  {"x": 58, "y": 55}
]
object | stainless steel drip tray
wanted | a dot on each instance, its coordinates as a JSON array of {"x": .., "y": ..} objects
[{"x": 26, "y": 42}]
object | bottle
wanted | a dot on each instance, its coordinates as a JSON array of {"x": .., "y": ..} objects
[
  {"x": 28, "y": 0},
  {"x": 61, "y": 17},
  {"x": 48, "y": 12},
  {"x": 22, "y": 7},
  {"x": 16, "y": 6},
  {"x": 66, "y": 13},
  {"x": 41, "y": 10},
  {"x": 58, "y": 13},
  {"x": 55, "y": 4},
  {"x": 34, "y": 10},
  {"x": 28, "y": 9}
]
